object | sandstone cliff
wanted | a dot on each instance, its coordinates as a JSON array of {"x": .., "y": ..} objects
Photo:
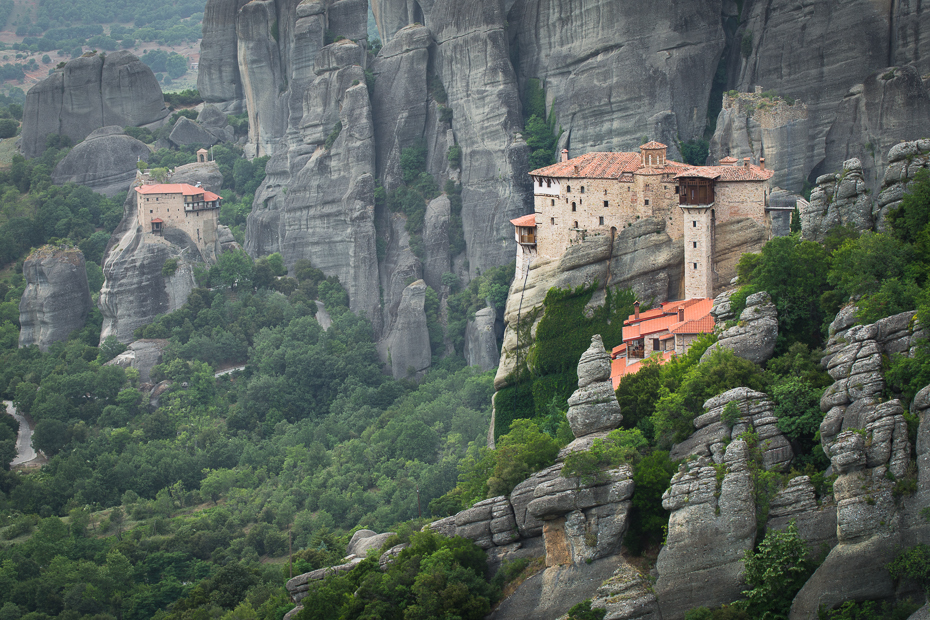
[
  {"x": 56, "y": 300},
  {"x": 88, "y": 93}
]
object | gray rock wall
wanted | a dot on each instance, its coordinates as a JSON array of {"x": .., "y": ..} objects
[
  {"x": 105, "y": 162},
  {"x": 218, "y": 79},
  {"x": 56, "y": 300},
  {"x": 89, "y": 93},
  {"x": 837, "y": 200},
  {"x": 753, "y": 338},
  {"x": 406, "y": 346}
]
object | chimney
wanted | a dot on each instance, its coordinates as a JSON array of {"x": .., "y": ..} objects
[
  {"x": 681, "y": 314},
  {"x": 762, "y": 163},
  {"x": 564, "y": 155},
  {"x": 635, "y": 310},
  {"x": 746, "y": 162},
  {"x": 576, "y": 168}
]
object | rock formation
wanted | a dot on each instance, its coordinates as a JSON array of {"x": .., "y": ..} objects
[
  {"x": 481, "y": 348},
  {"x": 89, "y": 93},
  {"x": 714, "y": 431},
  {"x": 797, "y": 503},
  {"x": 867, "y": 442},
  {"x": 891, "y": 105},
  {"x": 134, "y": 290},
  {"x": 753, "y": 338},
  {"x": 407, "y": 346},
  {"x": 56, "y": 300},
  {"x": 187, "y": 132},
  {"x": 755, "y": 125},
  {"x": 105, "y": 161},
  {"x": 711, "y": 526}
]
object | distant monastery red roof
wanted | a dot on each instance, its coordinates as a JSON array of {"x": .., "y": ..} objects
[{"x": 176, "y": 188}]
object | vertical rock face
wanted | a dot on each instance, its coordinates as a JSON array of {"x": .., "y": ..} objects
[
  {"x": 710, "y": 529},
  {"x": 218, "y": 79},
  {"x": 89, "y": 93},
  {"x": 105, "y": 162},
  {"x": 317, "y": 203},
  {"x": 472, "y": 59},
  {"x": 607, "y": 82},
  {"x": 891, "y": 105},
  {"x": 813, "y": 50},
  {"x": 750, "y": 125},
  {"x": 481, "y": 340},
  {"x": 56, "y": 300}
]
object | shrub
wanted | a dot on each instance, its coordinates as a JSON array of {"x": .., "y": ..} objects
[
  {"x": 775, "y": 573},
  {"x": 331, "y": 138}
]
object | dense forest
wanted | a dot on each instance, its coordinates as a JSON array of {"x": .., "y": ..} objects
[{"x": 184, "y": 502}]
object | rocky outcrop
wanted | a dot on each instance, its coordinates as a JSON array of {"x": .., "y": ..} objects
[
  {"x": 711, "y": 527},
  {"x": 364, "y": 541},
  {"x": 797, "y": 503},
  {"x": 607, "y": 85},
  {"x": 905, "y": 160},
  {"x": 838, "y": 200},
  {"x": 642, "y": 257},
  {"x": 593, "y": 406},
  {"x": 481, "y": 348},
  {"x": 89, "y": 93},
  {"x": 436, "y": 261},
  {"x": 715, "y": 430},
  {"x": 488, "y": 523},
  {"x": 143, "y": 355},
  {"x": 187, "y": 132},
  {"x": 105, "y": 161},
  {"x": 722, "y": 310},
  {"x": 56, "y": 300},
  {"x": 891, "y": 105},
  {"x": 867, "y": 442},
  {"x": 407, "y": 347},
  {"x": 753, "y": 338},
  {"x": 135, "y": 290},
  {"x": 765, "y": 126}
]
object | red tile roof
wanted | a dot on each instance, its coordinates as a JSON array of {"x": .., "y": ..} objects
[
  {"x": 703, "y": 325},
  {"x": 652, "y": 326},
  {"x": 158, "y": 220},
  {"x": 526, "y": 220},
  {"x": 727, "y": 173},
  {"x": 666, "y": 319},
  {"x": 653, "y": 145},
  {"x": 622, "y": 367},
  {"x": 728, "y": 160},
  {"x": 176, "y": 188},
  {"x": 592, "y": 166}
]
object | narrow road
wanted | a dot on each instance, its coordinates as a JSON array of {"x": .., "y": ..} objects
[
  {"x": 24, "y": 450},
  {"x": 227, "y": 371}
]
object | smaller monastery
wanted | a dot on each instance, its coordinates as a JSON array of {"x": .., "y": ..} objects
[{"x": 189, "y": 208}]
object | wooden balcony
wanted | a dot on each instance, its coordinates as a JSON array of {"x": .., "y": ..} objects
[{"x": 526, "y": 239}]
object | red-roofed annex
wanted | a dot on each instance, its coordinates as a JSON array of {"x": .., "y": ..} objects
[{"x": 192, "y": 209}]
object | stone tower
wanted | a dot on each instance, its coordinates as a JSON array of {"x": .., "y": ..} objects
[{"x": 699, "y": 224}]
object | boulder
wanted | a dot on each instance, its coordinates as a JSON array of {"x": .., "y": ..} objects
[
  {"x": 105, "y": 161},
  {"x": 143, "y": 355},
  {"x": 593, "y": 406},
  {"x": 364, "y": 540},
  {"x": 187, "y": 132},
  {"x": 627, "y": 595},
  {"x": 905, "y": 160},
  {"x": 88, "y": 93},
  {"x": 56, "y": 300},
  {"x": 754, "y": 337}
]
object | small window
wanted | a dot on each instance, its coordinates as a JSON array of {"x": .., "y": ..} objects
[
  {"x": 151, "y": 211},
  {"x": 647, "y": 202},
  {"x": 552, "y": 221},
  {"x": 600, "y": 220},
  {"x": 605, "y": 192},
  {"x": 693, "y": 223},
  {"x": 606, "y": 204},
  {"x": 553, "y": 202},
  {"x": 695, "y": 243},
  {"x": 582, "y": 189},
  {"x": 576, "y": 223},
  {"x": 568, "y": 188},
  {"x": 574, "y": 208},
  {"x": 580, "y": 201},
  {"x": 655, "y": 344},
  {"x": 695, "y": 265}
]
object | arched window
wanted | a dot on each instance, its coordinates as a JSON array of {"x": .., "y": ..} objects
[
  {"x": 582, "y": 189},
  {"x": 574, "y": 208}
]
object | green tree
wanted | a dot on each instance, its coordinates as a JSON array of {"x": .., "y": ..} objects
[
  {"x": 775, "y": 573},
  {"x": 176, "y": 65},
  {"x": 233, "y": 269}
]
